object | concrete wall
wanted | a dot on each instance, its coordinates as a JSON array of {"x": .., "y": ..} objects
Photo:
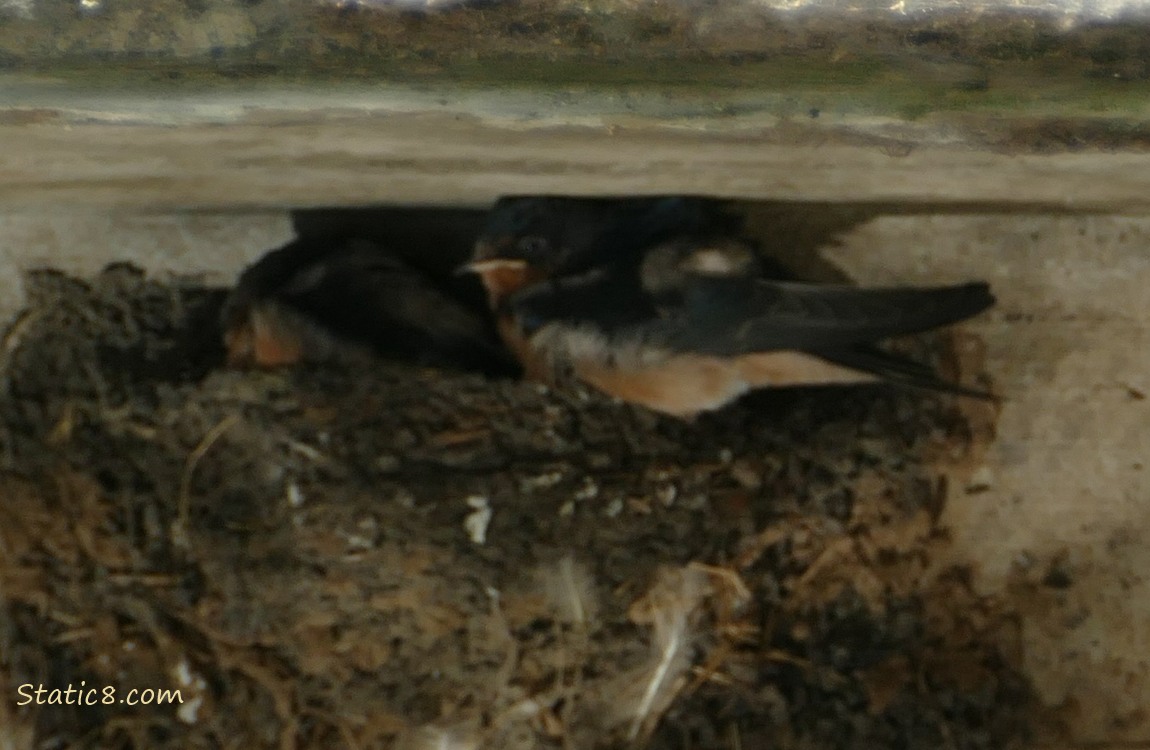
[{"x": 1068, "y": 480}]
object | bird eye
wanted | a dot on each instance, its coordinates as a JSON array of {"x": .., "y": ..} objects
[{"x": 532, "y": 247}]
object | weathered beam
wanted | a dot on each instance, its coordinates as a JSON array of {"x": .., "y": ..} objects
[
  {"x": 228, "y": 104},
  {"x": 277, "y": 159}
]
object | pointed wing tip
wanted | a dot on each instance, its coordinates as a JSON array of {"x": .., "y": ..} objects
[{"x": 976, "y": 296}]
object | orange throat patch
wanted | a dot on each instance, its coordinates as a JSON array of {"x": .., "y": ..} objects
[
  {"x": 262, "y": 340},
  {"x": 501, "y": 282}
]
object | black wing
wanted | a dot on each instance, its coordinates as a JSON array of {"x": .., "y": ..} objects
[
  {"x": 898, "y": 369},
  {"x": 729, "y": 315}
]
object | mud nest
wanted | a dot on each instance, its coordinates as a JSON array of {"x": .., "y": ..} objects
[{"x": 372, "y": 555}]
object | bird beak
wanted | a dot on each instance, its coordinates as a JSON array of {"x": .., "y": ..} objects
[
  {"x": 491, "y": 255},
  {"x": 492, "y": 264}
]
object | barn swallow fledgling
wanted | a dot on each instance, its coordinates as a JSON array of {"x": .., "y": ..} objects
[
  {"x": 313, "y": 299},
  {"x": 688, "y": 324},
  {"x": 527, "y": 240}
]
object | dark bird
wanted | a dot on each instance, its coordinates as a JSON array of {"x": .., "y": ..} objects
[
  {"x": 528, "y": 239},
  {"x": 687, "y": 321},
  {"x": 314, "y": 299}
]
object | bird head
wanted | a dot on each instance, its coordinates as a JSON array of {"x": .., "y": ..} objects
[
  {"x": 530, "y": 239},
  {"x": 526, "y": 240}
]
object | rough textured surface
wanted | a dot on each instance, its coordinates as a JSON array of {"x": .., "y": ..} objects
[
  {"x": 1051, "y": 512},
  {"x": 1062, "y": 491},
  {"x": 212, "y": 246},
  {"x": 949, "y": 50},
  {"x": 371, "y": 555},
  {"x": 310, "y": 103},
  {"x": 442, "y": 158},
  {"x": 972, "y": 118}
]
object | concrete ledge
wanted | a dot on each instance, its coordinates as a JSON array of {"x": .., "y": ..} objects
[
  {"x": 229, "y": 104},
  {"x": 282, "y": 161}
]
